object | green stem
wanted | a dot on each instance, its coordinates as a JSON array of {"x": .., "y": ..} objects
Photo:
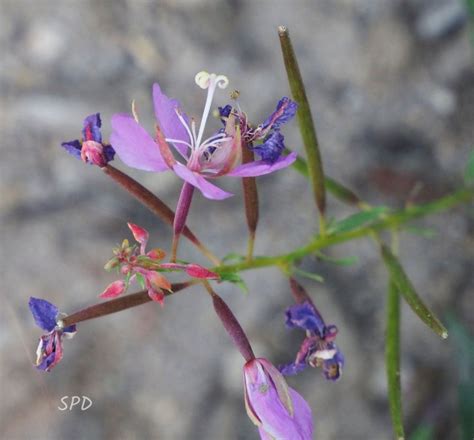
[
  {"x": 393, "y": 220},
  {"x": 392, "y": 359}
]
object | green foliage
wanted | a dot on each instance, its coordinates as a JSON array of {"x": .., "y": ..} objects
[
  {"x": 140, "y": 280},
  {"x": 346, "y": 261},
  {"x": 309, "y": 275},
  {"x": 392, "y": 359},
  {"x": 234, "y": 278},
  {"x": 354, "y": 221},
  {"x": 409, "y": 293}
]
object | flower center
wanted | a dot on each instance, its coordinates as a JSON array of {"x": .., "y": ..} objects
[{"x": 198, "y": 146}]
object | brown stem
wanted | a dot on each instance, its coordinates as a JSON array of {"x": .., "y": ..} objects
[
  {"x": 152, "y": 202},
  {"x": 117, "y": 305},
  {"x": 232, "y": 326}
]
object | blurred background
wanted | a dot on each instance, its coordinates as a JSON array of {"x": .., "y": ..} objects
[{"x": 391, "y": 85}]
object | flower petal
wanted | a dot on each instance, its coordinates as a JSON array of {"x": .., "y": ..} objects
[
  {"x": 44, "y": 313},
  {"x": 304, "y": 316},
  {"x": 91, "y": 130},
  {"x": 260, "y": 168},
  {"x": 134, "y": 145},
  {"x": 165, "y": 112},
  {"x": 263, "y": 397},
  {"x": 141, "y": 235},
  {"x": 73, "y": 148},
  {"x": 207, "y": 189}
]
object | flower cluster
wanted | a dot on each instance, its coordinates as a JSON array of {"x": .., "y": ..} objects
[
  {"x": 180, "y": 146},
  {"x": 318, "y": 348},
  {"x": 50, "y": 350},
  {"x": 135, "y": 263}
]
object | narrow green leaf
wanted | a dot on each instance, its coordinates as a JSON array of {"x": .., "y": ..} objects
[
  {"x": 140, "y": 280},
  {"x": 305, "y": 119},
  {"x": 234, "y": 278},
  {"x": 409, "y": 293},
  {"x": 392, "y": 359},
  {"x": 309, "y": 275},
  {"x": 469, "y": 171},
  {"x": 354, "y": 221},
  {"x": 423, "y": 232},
  {"x": 346, "y": 261}
]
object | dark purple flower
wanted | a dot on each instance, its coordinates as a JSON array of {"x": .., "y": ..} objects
[
  {"x": 278, "y": 410},
  {"x": 272, "y": 148},
  {"x": 50, "y": 351},
  {"x": 201, "y": 158},
  {"x": 285, "y": 110},
  {"x": 318, "y": 348},
  {"x": 91, "y": 149},
  {"x": 268, "y": 133}
]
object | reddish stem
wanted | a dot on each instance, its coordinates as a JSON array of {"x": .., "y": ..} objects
[
  {"x": 234, "y": 329},
  {"x": 117, "y": 305}
]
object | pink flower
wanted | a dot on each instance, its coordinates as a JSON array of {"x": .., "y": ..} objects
[
  {"x": 201, "y": 158},
  {"x": 278, "y": 411}
]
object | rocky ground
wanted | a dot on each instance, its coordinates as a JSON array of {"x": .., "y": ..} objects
[{"x": 392, "y": 86}]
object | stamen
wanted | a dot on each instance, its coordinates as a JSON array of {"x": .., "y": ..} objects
[
  {"x": 181, "y": 119},
  {"x": 177, "y": 141},
  {"x": 193, "y": 128},
  {"x": 208, "y": 81}
]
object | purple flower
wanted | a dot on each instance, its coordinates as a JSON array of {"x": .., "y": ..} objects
[
  {"x": 268, "y": 133},
  {"x": 278, "y": 410},
  {"x": 201, "y": 158},
  {"x": 91, "y": 149},
  {"x": 50, "y": 351},
  {"x": 318, "y": 348}
]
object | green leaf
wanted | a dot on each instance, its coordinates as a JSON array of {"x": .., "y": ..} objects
[
  {"x": 234, "y": 278},
  {"x": 140, "y": 280},
  {"x": 469, "y": 171},
  {"x": 409, "y": 293},
  {"x": 423, "y": 232},
  {"x": 354, "y": 221},
  {"x": 309, "y": 275},
  {"x": 305, "y": 119},
  {"x": 392, "y": 359},
  {"x": 346, "y": 261}
]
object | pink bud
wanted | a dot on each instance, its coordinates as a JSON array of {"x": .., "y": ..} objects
[
  {"x": 197, "y": 271},
  {"x": 140, "y": 234},
  {"x": 114, "y": 289},
  {"x": 157, "y": 281},
  {"x": 157, "y": 295}
]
